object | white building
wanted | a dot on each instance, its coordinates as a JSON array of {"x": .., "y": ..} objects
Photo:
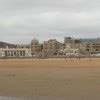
[{"x": 15, "y": 52}]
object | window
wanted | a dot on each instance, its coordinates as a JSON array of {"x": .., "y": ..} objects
[
  {"x": 96, "y": 49},
  {"x": 87, "y": 49}
]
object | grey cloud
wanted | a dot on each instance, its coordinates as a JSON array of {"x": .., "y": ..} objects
[{"x": 24, "y": 19}]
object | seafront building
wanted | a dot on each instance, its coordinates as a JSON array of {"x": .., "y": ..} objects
[
  {"x": 92, "y": 46},
  {"x": 19, "y": 50},
  {"x": 71, "y": 45},
  {"x": 50, "y": 48},
  {"x": 15, "y": 52},
  {"x": 36, "y": 47}
]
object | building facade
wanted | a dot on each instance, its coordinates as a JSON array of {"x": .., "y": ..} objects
[
  {"x": 51, "y": 47},
  {"x": 15, "y": 52},
  {"x": 36, "y": 47},
  {"x": 72, "y": 45},
  {"x": 92, "y": 46}
]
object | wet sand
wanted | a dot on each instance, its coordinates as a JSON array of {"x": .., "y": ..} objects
[{"x": 51, "y": 78}]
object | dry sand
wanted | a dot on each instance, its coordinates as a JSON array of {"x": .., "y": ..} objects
[
  {"x": 50, "y": 63},
  {"x": 59, "y": 78}
]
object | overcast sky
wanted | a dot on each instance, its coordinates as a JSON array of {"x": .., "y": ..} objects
[{"x": 22, "y": 20}]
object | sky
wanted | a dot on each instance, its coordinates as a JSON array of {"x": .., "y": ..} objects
[{"x": 23, "y": 20}]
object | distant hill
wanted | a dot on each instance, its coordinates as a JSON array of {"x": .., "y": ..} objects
[
  {"x": 4, "y": 45},
  {"x": 93, "y": 40}
]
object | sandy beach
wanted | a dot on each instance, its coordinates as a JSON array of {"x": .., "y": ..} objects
[
  {"x": 50, "y": 63},
  {"x": 58, "y": 78}
]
